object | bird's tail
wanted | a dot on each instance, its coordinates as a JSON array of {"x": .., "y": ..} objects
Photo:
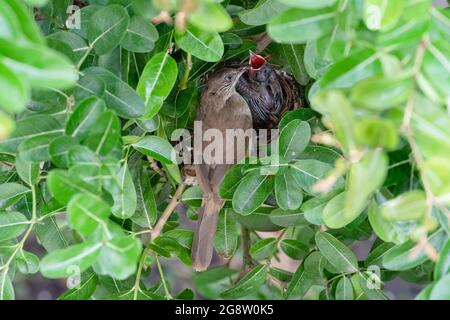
[{"x": 202, "y": 246}]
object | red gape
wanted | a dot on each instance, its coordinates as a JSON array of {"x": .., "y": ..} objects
[{"x": 256, "y": 61}]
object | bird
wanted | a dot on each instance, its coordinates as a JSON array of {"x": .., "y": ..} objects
[
  {"x": 221, "y": 108},
  {"x": 251, "y": 95},
  {"x": 261, "y": 88}
]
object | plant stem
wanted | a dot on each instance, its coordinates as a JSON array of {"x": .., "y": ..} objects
[
  {"x": 163, "y": 279},
  {"x": 84, "y": 57},
  {"x": 187, "y": 71},
  {"x": 137, "y": 286}
]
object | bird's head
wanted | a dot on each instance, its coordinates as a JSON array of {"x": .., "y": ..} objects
[{"x": 223, "y": 82}]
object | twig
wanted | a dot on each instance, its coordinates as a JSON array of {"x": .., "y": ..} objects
[
  {"x": 167, "y": 212},
  {"x": 154, "y": 167}
]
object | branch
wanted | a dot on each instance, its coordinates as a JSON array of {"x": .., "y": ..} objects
[{"x": 156, "y": 231}]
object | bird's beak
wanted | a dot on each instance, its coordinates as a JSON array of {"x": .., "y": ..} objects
[{"x": 256, "y": 61}]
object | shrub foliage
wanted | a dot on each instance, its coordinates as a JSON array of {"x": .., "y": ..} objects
[{"x": 90, "y": 99}]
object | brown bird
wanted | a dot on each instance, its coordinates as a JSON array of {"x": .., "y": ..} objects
[
  {"x": 221, "y": 108},
  {"x": 240, "y": 96}
]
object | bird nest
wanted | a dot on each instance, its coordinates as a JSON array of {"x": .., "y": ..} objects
[{"x": 292, "y": 99}]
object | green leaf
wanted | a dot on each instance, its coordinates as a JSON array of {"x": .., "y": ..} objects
[
  {"x": 249, "y": 284},
  {"x": 86, "y": 213},
  {"x": 383, "y": 228},
  {"x": 287, "y": 218},
  {"x": 125, "y": 199},
  {"x": 42, "y": 67},
  {"x": 370, "y": 284},
  {"x": 335, "y": 105},
  {"x": 411, "y": 205},
  {"x": 440, "y": 289},
  {"x": 156, "y": 82},
  {"x": 336, "y": 253},
  {"x": 231, "y": 181},
  {"x": 308, "y": 172},
  {"x": 263, "y": 249},
  {"x": 210, "y": 282},
  {"x": 85, "y": 117},
  {"x": 68, "y": 43},
  {"x": 12, "y": 225},
  {"x": 83, "y": 291},
  {"x": 211, "y": 17},
  {"x": 379, "y": 93},
  {"x": 10, "y": 193},
  {"x": 27, "y": 129},
  {"x": 381, "y": 15},
  {"x": 294, "y": 249},
  {"x": 157, "y": 148},
  {"x": 193, "y": 196},
  {"x": 288, "y": 192},
  {"x": 259, "y": 220},
  {"x": 117, "y": 94},
  {"x": 262, "y": 13},
  {"x": 6, "y": 287},
  {"x": 118, "y": 257},
  {"x": 294, "y": 138},
  {"x": 14, "y": 90},
  {"x": 314, "y": 207},
  {"x": 431, "y": 127},
  {"x": 59, "y": 150},
  {"x": 226, "y": 237},
  {"x": 365, "y": 177},
  {"x": 252, "y": 192},
  {"x": 27, "y": 263},
  {"x": 405, "y": 256},
  {"x": 106, "y": 134},
  {"x": 377, "y": 132},
  {"x": 442, "y": 266},
  {"x": 25, "y": 21},
  {"x": 141, "y": 35},
  {"x": 348, "y": 71},
  {"x": 344, "y": 289},
  {"x": 308, "y": 273},
  {"x": 169, "y": 246},
  {"x": 28, "y": 171},
  {"x": 107, "y": 27},
  {"x": 146, "y": 210},
  {"x": 435, "y": 67},
  {"x": 64, "y": 185},
  {"x": 207, "y": 46},
  {"x": 294, "y": 55},
  {"x": 76, "y": 258},
  {"x": 314, "y": 23},
  {"x": 36, "y": 149}
]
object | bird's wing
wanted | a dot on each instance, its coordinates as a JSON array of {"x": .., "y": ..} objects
[{"x": 234, "y": 115}]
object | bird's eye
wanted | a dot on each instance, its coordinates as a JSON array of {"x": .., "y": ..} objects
[{"x": 228, "y": 78}]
